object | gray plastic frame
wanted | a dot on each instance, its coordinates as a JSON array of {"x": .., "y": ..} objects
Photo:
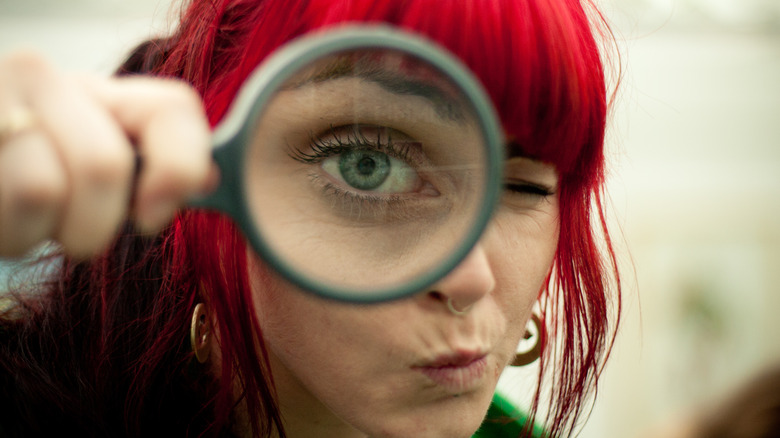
[{"x": 234, "y": 133}]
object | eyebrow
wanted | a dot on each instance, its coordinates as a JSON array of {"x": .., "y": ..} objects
[
  {"x": 515, "y": 149},
  {"x": 445, "y": 106}
]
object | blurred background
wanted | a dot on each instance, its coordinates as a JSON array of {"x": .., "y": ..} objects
[
  {"x": 695, "y": 186},
  {"x": 694, "y": 148}
]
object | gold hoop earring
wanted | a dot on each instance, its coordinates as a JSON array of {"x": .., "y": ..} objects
[
  {"x": 200, "y": 339},
  {"x": 530, "y": 355}
]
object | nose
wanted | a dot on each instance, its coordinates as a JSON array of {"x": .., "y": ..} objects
[{"x": 469, "y": 282}]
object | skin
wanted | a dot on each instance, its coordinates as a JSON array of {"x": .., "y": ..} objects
[
  {"x": 346, "y": 370},
  {"x": 68, "y": 175}
]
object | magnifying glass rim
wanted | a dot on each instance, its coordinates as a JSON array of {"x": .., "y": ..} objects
[{"x": 232, "y": 136}]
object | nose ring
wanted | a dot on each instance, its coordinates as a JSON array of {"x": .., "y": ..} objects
[{"x": 455, "y": 311}]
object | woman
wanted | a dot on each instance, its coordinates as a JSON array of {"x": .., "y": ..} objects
[{"x": 186, "y": 332}]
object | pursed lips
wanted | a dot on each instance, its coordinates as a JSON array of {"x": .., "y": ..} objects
[{"x": 456, "y": 372}]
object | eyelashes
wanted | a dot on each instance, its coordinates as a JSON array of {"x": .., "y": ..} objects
[
  {"x": 528, "y": 188},
  {"x": 523, "y": 196},
  {"x": 374, "y": 164},
  {"x": 363, "y": 175},
  {"x": 336, "y": 141}
]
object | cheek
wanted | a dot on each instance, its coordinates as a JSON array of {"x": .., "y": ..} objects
[
  {"x": 266, "y": 293},
  {"x": 284, "y": 315},
  {"x": 287, "y": 321},
  {"x": 524, "y": 247},
  {"x": 301, "y": 329}
]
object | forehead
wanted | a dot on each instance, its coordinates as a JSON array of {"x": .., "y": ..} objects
[
  {"x": 404, "y": 75},
  {"x": 366, "y": 62},
  {"x": 396, "y": 72}
]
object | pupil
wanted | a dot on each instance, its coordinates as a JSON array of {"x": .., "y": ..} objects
[
  {"x": 364, "y": 169},
  {"x": 366, "y": 166}
]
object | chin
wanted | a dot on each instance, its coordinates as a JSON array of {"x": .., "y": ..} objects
[
  {"x": 424, "y": 431},
  {"x": 454, "y": 417}
]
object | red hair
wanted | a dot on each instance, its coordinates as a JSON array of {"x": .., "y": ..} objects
[{"x": 541, "y": 65}]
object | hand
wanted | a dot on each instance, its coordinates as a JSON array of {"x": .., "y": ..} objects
[{"x": 68, "y": 148}]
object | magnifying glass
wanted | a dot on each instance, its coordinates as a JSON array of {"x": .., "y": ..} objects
[{"x": 362, "y": 164}]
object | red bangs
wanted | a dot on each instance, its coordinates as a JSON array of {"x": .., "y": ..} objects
[
  {"x": 540, "y": 65},
  {"x": 538, "y": 61}
]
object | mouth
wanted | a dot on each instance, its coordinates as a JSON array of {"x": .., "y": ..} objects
[{"x": 456, "y": 373}]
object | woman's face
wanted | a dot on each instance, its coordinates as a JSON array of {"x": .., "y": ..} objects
[
  {"x": 382, "y": 370},
  {"x": 409, "y": 367}
]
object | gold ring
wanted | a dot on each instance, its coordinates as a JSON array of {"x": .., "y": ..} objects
[{"x": 15, "y": 122}]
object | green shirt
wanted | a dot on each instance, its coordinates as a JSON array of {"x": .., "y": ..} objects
[{"x": 504, "y": 420}]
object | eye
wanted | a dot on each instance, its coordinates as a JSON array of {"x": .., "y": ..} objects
[
  {"x": 366, "y": 160},
  {"x": 371, "y": 175},
  {"x": 528, "y": 189},
  {"x": 522, "y": 195},
  {"x": 528, "y": 182},
  {"x": 372, "y": 170}
]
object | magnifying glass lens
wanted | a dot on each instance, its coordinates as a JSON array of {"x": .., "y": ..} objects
[{"x": 366, "y": 170}]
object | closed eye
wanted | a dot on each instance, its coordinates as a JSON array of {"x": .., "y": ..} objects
[{"x": 527, "y": 188}]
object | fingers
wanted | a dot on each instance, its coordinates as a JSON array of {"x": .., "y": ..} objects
[
  {"x": 97, "y": 158},
  {"x": 32, "y": 192},
  {"x": 172, "y": 132},
  {"x": 69, "y": 177},
  {"x": 68, "y": 172}
]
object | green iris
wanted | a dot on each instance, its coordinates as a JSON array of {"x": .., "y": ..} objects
[{"x": 364, "y": 169}]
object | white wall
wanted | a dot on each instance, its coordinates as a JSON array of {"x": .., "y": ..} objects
[{"x": 82, "y": 35}]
